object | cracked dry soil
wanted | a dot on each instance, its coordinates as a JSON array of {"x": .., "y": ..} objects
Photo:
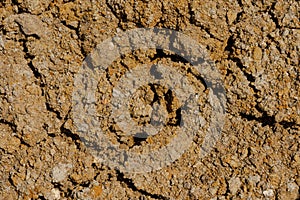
[{"x": 255, "y": 45}]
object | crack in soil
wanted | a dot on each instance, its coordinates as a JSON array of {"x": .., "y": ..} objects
[{"x": 130, "y": 184}]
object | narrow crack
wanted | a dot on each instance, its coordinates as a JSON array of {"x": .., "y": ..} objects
[
  {"x": 39, "y": 77},
  {"x": 292, "y": 125},
  {"x": 230, "y": 48},
  {"x": 50, "y": 109},
  {"x": 28, "y": 57},
  {"x": 264, "y": 119},
  {"x": 75, "y": 138},
  {"x": 193, "y": 22},
  {"x": 10, "y": 124},
  {"x": 65, "y": 131},
  {"x": 273, "y": 16},
  {"x": 41, "y": 84},
  {"x": 20, "y": 9},
  {"x": 115, "y": 13},
  {"x": 240, "y": 2},
  {"x": 77, "y": 31},
  {"x": 239, "y": 17},
  {"x": 160, "y": 53},
  {"x": 177, "y": 58},
  {"x": 130, "y": 184},
  {"x": 270, "y": 121}
]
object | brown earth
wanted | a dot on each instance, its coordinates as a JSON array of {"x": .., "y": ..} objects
[{"x": 254, "y": 44}]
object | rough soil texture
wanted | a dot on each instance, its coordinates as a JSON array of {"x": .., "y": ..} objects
[{"x": 255, "y": 45}]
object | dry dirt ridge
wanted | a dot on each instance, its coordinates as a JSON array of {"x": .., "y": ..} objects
[{"x": 254, "y": 44}]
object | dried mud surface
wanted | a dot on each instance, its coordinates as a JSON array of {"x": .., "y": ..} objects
[{"x": 255, "y": 45}]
